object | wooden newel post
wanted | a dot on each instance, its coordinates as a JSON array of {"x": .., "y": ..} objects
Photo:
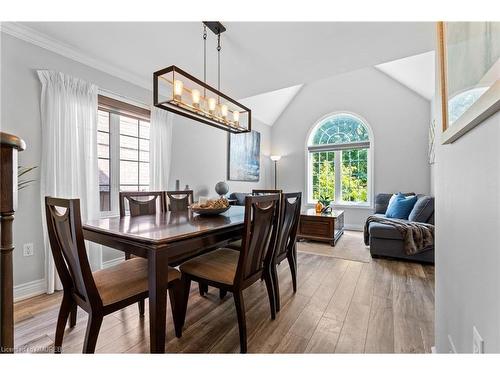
[{"x": 10, "y": 146}]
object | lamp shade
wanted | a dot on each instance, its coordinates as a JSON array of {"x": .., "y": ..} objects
[{"x": 275, "y": 157}]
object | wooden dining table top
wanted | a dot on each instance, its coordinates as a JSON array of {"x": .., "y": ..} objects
[{"x": 166, "y": 227}]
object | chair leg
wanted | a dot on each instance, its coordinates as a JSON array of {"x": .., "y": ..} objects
[
  {"x": 222, "y": 293},
  {"x": 185, "y": 288},
  {"x": 175, "y": 293},
  {"x": 292, "y": 261},
  {"x": 72, "y": 315},
  {"x": 203, "y": 288},
  {"x": 62, "y": 319},
  {"x": 270, "y": 291},
  {"x": 141, "y": 307},
  {"x": 242, "y": 325},
  {"x": 276, "y": 285},
  {"x": 93, "y": 327}
]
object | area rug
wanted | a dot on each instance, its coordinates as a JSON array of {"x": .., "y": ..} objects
[{"x": 350, "y": 246}]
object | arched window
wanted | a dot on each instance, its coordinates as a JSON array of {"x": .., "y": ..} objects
[{"x": 338, "y": 152}]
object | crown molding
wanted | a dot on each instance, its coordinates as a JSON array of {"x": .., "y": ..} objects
[{"x": 36, "y": 38}]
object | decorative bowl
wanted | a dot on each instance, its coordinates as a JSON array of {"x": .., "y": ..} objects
[{"x": 209, "y": 211}]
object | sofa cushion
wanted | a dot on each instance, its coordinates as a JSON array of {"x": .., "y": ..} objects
[
  {"x": 423, "y": 209},
  {"x": 382, "y": 201},
  {"x": 380, "y": 230},
  {"x": 401, "y": 207}
]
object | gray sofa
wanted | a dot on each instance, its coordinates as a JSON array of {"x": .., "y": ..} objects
[{"x": 387, "y": 241}]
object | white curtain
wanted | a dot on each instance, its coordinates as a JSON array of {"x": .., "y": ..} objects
[
  {"x": 160, "y": 148},
  {"x": 69, "y": 154}
]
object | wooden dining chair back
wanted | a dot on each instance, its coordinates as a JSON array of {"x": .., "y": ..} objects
[
  {"x": 286, "y": 240},
  {"x": 179, "y": 200},
  {"x": 68, "y": 249},
  {"x": 289, "y": 222},
  {"x": 139, "y": 203},
  {"x": 259, "y": 237}
]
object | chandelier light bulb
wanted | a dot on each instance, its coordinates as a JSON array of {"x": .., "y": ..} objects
[
  {"x": 195, "y": 94},
  {"x": 236, "y": 117},
  {"x": 223, "y": 111},
  {"x": 211, "y": 105},
  {"x": 178, "y": 88}
]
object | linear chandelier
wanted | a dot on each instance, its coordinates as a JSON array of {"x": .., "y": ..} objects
[{"x": 179, "y": 92}]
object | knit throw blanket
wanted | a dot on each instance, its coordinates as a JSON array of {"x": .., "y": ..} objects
[{"x": 417, "y": 237}]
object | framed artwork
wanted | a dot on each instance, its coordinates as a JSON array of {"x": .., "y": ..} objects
[
  {"x": 244, "y": 157},
  {"x": 469, "y": 70}
]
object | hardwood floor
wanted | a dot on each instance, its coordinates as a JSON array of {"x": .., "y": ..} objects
[{"x": 341, "y": 306}]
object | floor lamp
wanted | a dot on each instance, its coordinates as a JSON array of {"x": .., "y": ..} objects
[{"x": 275, "y": 159}]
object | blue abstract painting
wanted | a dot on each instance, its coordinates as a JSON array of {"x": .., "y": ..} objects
[{"x": 244, "y": 157}]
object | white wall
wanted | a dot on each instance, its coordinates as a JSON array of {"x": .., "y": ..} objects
[
  {"x": 398, "y": 117},
  {"x": 200, "y": 158},
  {"x": 199, "y": 152},
  {"x": 467, "y": 183},
  {"x": 467, "y": 239}
]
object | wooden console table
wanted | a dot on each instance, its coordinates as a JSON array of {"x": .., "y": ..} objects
[
  {"x": 9, "y": 147},
  {"x": 321, "y": 227}
]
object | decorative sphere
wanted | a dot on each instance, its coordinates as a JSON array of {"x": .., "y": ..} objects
[{"x": 221, "y": 188}]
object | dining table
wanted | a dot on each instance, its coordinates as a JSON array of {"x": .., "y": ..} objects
[{"x": 166, "y": 238}]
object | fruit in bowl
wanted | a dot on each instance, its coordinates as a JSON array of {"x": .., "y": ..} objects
[{"x": 211, "y": 206}]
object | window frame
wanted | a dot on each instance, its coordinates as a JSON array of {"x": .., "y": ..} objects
[
  {"x": 116, "y": 108},
  {"x": 337, "y": 149}
]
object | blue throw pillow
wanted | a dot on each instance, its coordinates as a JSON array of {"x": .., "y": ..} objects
[{"x": 401, "y": 207}]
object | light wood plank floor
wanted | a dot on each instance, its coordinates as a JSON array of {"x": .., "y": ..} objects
[{"x": 341, "y": 306}]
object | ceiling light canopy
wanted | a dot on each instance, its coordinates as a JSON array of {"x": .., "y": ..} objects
[{"x": 179, "y": 92}]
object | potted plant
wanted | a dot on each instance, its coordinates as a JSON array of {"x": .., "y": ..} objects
[
  {"x": 21, "y": 171},
  {"x": 323, "y": 204}
]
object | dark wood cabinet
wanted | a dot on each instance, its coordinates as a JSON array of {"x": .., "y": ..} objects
[
  {"x": 321, "y": 227},
  {"x": 9, "y": 147}
]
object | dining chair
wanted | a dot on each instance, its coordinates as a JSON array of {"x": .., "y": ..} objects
[
  {"x": 179, "y": 200},
  {"x": 286, "y": 240},
  {"x": 142, "y": 202},
  {"x": 98, "y": 293},
  {"x": 139, "y": 203},
  {"x": 235, "y": 271}
]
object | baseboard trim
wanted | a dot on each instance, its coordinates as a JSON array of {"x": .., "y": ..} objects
[
  {"x": 29, "y": 289},
  {"x": 112, "y": 262},
  {"x": 355, "y": 227}
]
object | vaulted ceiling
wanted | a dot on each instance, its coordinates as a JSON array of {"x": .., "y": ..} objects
[{"x": 257, "y": 57}]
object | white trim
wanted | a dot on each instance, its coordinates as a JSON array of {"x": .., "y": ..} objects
[
  {"x": 30, "y": 289},
  {"x": 39, "y": 39},
  {"x": 355, "y": 227},
  {"x": 371, "y": 163},
  {"x": 113, "y": 262}
]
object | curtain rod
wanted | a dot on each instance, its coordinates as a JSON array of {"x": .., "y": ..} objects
[{"x": 114, "y": 95}]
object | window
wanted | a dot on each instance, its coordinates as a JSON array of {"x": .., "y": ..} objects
[
  {"x": 123, "y": 150},
  {"x": 338, "y": 152}
]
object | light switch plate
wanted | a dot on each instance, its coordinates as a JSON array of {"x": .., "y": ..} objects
[{"x": 477, "y": 342}]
